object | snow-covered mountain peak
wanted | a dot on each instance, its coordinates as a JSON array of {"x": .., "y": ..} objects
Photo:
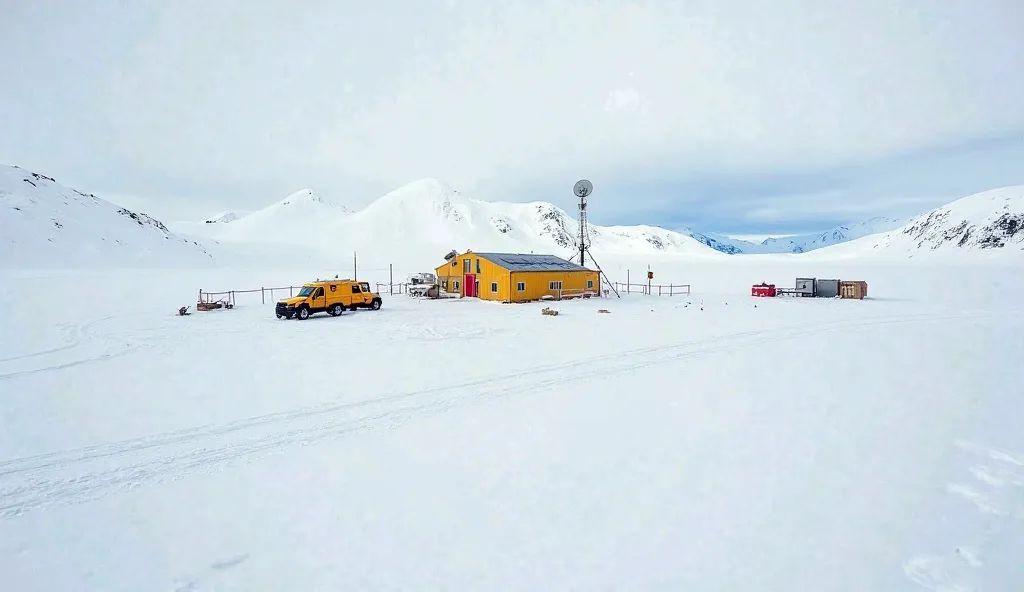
[
  {"x": 300, "y": 212},
  {"x": 223, "y": 217},
  {"x": 305, "y": 198},
  {"x": 46, "y": 224},
  {"x": 989, "y": 221},
  {"x": 423, "y": 197},
  {"x": 428, "y": 188}
]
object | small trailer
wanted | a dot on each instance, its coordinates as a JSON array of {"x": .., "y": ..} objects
[{"x": 420, "y": 283}]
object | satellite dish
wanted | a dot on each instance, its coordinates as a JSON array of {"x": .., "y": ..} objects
[{"x": 583, "y": 188}]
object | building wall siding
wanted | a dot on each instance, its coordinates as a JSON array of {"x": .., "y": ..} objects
[
  {"x": 488, "y": 273},
  {"x": 536, "y": 284}
]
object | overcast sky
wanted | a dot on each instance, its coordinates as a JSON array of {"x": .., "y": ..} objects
[{"x": 738, "y": 116}]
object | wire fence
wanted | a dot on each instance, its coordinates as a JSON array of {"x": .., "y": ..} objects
[
  {"x": 272, "y": 294},
  {"x": 654, "y": 289},
  {"x": 264, "y": 294},
  {"x": 393, "y": 289}
]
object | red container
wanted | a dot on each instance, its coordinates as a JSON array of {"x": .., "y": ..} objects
[{"x": 763, "y": 290}]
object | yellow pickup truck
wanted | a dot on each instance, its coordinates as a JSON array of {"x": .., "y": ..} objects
[{"x": 330, "y": 296}]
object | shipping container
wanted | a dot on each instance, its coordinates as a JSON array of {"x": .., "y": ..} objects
[
  {"x": 826, "y": 288},
  {"x": 805, "y": 286}
]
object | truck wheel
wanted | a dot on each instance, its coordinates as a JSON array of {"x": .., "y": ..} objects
[
  {"x": 279, "y": 315},
  {"x": 375, "y": 305},
  {"x": 302, "y": 314},
  {"x": 337, "y": 309}
]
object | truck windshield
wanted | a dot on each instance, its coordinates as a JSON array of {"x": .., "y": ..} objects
[{"x": 305, "y": 291}]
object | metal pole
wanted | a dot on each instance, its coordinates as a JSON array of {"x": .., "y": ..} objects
[
  {"x": 391, "y": 278},
  {"x": 627, "y": 281},
  {"x": 355, "y": 275}
]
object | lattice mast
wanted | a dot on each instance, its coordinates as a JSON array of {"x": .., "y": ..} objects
[
  {"x": 583, "y": 240},
  {"x": 582, "y": 189}
]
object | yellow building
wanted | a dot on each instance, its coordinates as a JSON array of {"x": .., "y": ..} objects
[{"x": 516, "y": 277}]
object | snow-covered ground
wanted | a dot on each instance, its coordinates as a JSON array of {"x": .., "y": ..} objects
[{"x": 710, "y": 442}]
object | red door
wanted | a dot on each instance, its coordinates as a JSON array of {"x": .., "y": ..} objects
[{"x": 469, "y": 286}]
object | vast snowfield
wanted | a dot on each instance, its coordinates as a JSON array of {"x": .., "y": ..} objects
[{"x": 709, "y": 442}]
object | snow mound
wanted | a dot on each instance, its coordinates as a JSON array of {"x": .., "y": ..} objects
[
  {"x": 48, "y": 225},
  {"x": 991, "y": 221}
]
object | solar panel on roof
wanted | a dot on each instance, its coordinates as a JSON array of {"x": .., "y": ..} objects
[{"x": 531, "y": 262}]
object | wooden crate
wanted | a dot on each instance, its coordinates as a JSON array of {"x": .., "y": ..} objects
[{"x": 857, "y": 290}]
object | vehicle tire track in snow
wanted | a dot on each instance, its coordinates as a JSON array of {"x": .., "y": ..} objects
[
  {"x": 80, "y": 334},
  {"x": 89, "y": 360},
  {"x": 136, "y": 444},
  {"x": 89, "y": 473}
]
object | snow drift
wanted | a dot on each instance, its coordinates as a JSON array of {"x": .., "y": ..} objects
[{"x": 45, "y": 224}]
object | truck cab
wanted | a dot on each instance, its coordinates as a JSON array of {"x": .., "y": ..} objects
[{"x": 332, "y": 297}]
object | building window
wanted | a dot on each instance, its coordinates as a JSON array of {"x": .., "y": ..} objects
[
  {"x": 456, "y": 285},
  {"x": 555, "y": 285},
  {"x": 494, "y": 287},
  {"x": 466, "y": 266},
  {"x": 521, "y": 286},
  {"x": 478, "y": 266},
  {"x": 590, "y": 284}
]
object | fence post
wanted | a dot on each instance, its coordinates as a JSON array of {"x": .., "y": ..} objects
[{"x": 263, "y": 295}]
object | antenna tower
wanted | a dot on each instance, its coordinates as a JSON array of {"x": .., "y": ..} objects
[{"x": 582, "y": 189}]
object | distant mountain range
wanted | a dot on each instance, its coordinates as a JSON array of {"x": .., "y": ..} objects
[
  {"x": 48, "y": 224},
  {"x": 429, "y": 214}
]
